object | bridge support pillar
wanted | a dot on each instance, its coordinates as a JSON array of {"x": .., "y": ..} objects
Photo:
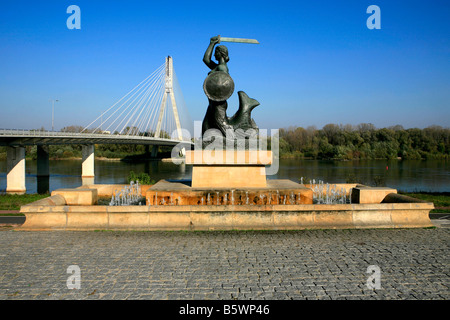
[
  {"x": 43, "y": 171},
  {"x": 87, "y": 170},
  {"x": 155, "y": 151},
  {"x": 15, "y": 168}
]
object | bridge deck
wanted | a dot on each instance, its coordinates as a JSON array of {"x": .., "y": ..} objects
[{"x": 32, "y": 137}]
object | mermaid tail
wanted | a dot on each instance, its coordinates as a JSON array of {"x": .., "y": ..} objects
[
  {"x": 241, "y": 123},
  {"x": 242, "y": 118}
]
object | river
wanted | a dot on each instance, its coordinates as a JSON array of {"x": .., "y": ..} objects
[{"x": 403, "y": 175}]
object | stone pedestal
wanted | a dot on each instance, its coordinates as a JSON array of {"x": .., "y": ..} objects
[
  {"x": 364, "y": 194},
  {"x": 78, "y": 196},
  {"x": 228, "y": 178},
  {"x": 228, "y": 169}
]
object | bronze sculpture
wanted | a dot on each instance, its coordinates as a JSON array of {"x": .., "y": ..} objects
[{"x": 218, "y": 87}]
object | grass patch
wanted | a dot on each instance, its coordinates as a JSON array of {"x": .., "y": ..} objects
[
  {"x": 15, "y": 201},
  {"x": 441, "y": 200}
]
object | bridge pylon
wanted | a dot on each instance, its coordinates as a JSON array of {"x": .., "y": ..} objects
[{"x": 168, "y": 92}]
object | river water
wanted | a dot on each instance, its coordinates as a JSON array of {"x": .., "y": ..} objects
[{"x": 403, "y": 175}]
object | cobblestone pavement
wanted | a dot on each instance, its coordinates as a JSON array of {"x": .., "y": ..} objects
[{"x": 310, "y": 264}]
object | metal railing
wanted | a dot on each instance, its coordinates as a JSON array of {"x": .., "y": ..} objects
[{"x": 59, "y": 134}]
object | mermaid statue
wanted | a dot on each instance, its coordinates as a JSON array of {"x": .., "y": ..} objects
[{"x": 218, "y": 87}]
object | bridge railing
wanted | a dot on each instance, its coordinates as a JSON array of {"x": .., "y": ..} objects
[
  {"x": 45, "y": 133},
  {"x": 26, "y": 132}
]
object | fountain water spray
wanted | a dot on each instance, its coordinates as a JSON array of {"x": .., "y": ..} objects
[
  {"x": 327, "y": 194},
  {"x": 128, "y": 196}
]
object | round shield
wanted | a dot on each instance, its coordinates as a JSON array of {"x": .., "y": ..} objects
[{"x": 218, "y": 86}]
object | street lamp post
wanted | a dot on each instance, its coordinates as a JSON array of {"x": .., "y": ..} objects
[{"x": 53, "y": 113}]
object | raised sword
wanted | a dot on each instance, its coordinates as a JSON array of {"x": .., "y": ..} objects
[{"x": 240, "y": 40}]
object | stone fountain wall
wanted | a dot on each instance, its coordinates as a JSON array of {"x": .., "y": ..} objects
[{"x": 55, "y": 213}]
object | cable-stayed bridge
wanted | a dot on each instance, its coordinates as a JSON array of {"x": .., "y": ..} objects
[
  {"x": 154, "y": 108},
  {"x": 152, "y": 113}
]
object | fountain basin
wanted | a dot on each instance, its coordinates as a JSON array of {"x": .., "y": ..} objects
[
  {"x": 54, "y": 214},
  {"x": 274, "y": 192}
]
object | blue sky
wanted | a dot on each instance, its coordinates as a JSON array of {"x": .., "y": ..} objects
[{"x": 316, "y": 63}]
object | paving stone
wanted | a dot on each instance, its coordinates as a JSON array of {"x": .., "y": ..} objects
[{"x": 282, "y": 265}]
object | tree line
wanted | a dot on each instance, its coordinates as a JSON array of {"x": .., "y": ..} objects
[{"x": 364, "y": 141}]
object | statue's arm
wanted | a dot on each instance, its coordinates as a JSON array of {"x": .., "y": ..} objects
[{"x": 208, "y": 54}]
